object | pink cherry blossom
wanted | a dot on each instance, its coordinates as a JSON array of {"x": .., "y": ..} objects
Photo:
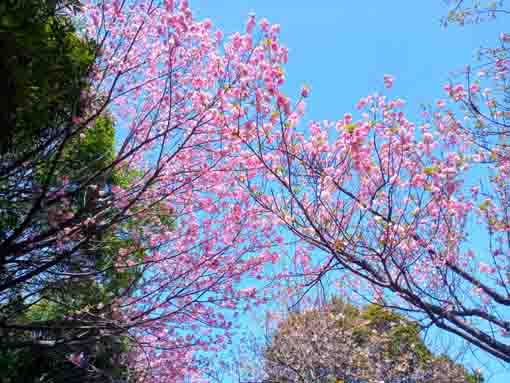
[{"x": 388, "y": 81}]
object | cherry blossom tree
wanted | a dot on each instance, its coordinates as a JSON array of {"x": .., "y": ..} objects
[
  {"x": 415, "y": 211},
  {"x": 473, "y": 11},
  {"x": 178, "y": 159},
  {"x": 482, "y": 88},
  {"x": 401, "y": 206},
  {"x": 164, "y": 209}
]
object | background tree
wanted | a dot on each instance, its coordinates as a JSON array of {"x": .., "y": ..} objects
[{"x": 344, "y": 344}]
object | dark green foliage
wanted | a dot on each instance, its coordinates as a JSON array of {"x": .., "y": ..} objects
[
  {"x": 400, "y": 331},
  {"x": 44, "y": 69},
  {"x": 43, "y": 66}
]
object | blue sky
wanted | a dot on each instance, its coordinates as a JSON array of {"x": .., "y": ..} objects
[{"x": 343, "y": 48}]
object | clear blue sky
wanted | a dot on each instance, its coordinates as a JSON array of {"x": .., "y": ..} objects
[{"x": 342, "y": 49}]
